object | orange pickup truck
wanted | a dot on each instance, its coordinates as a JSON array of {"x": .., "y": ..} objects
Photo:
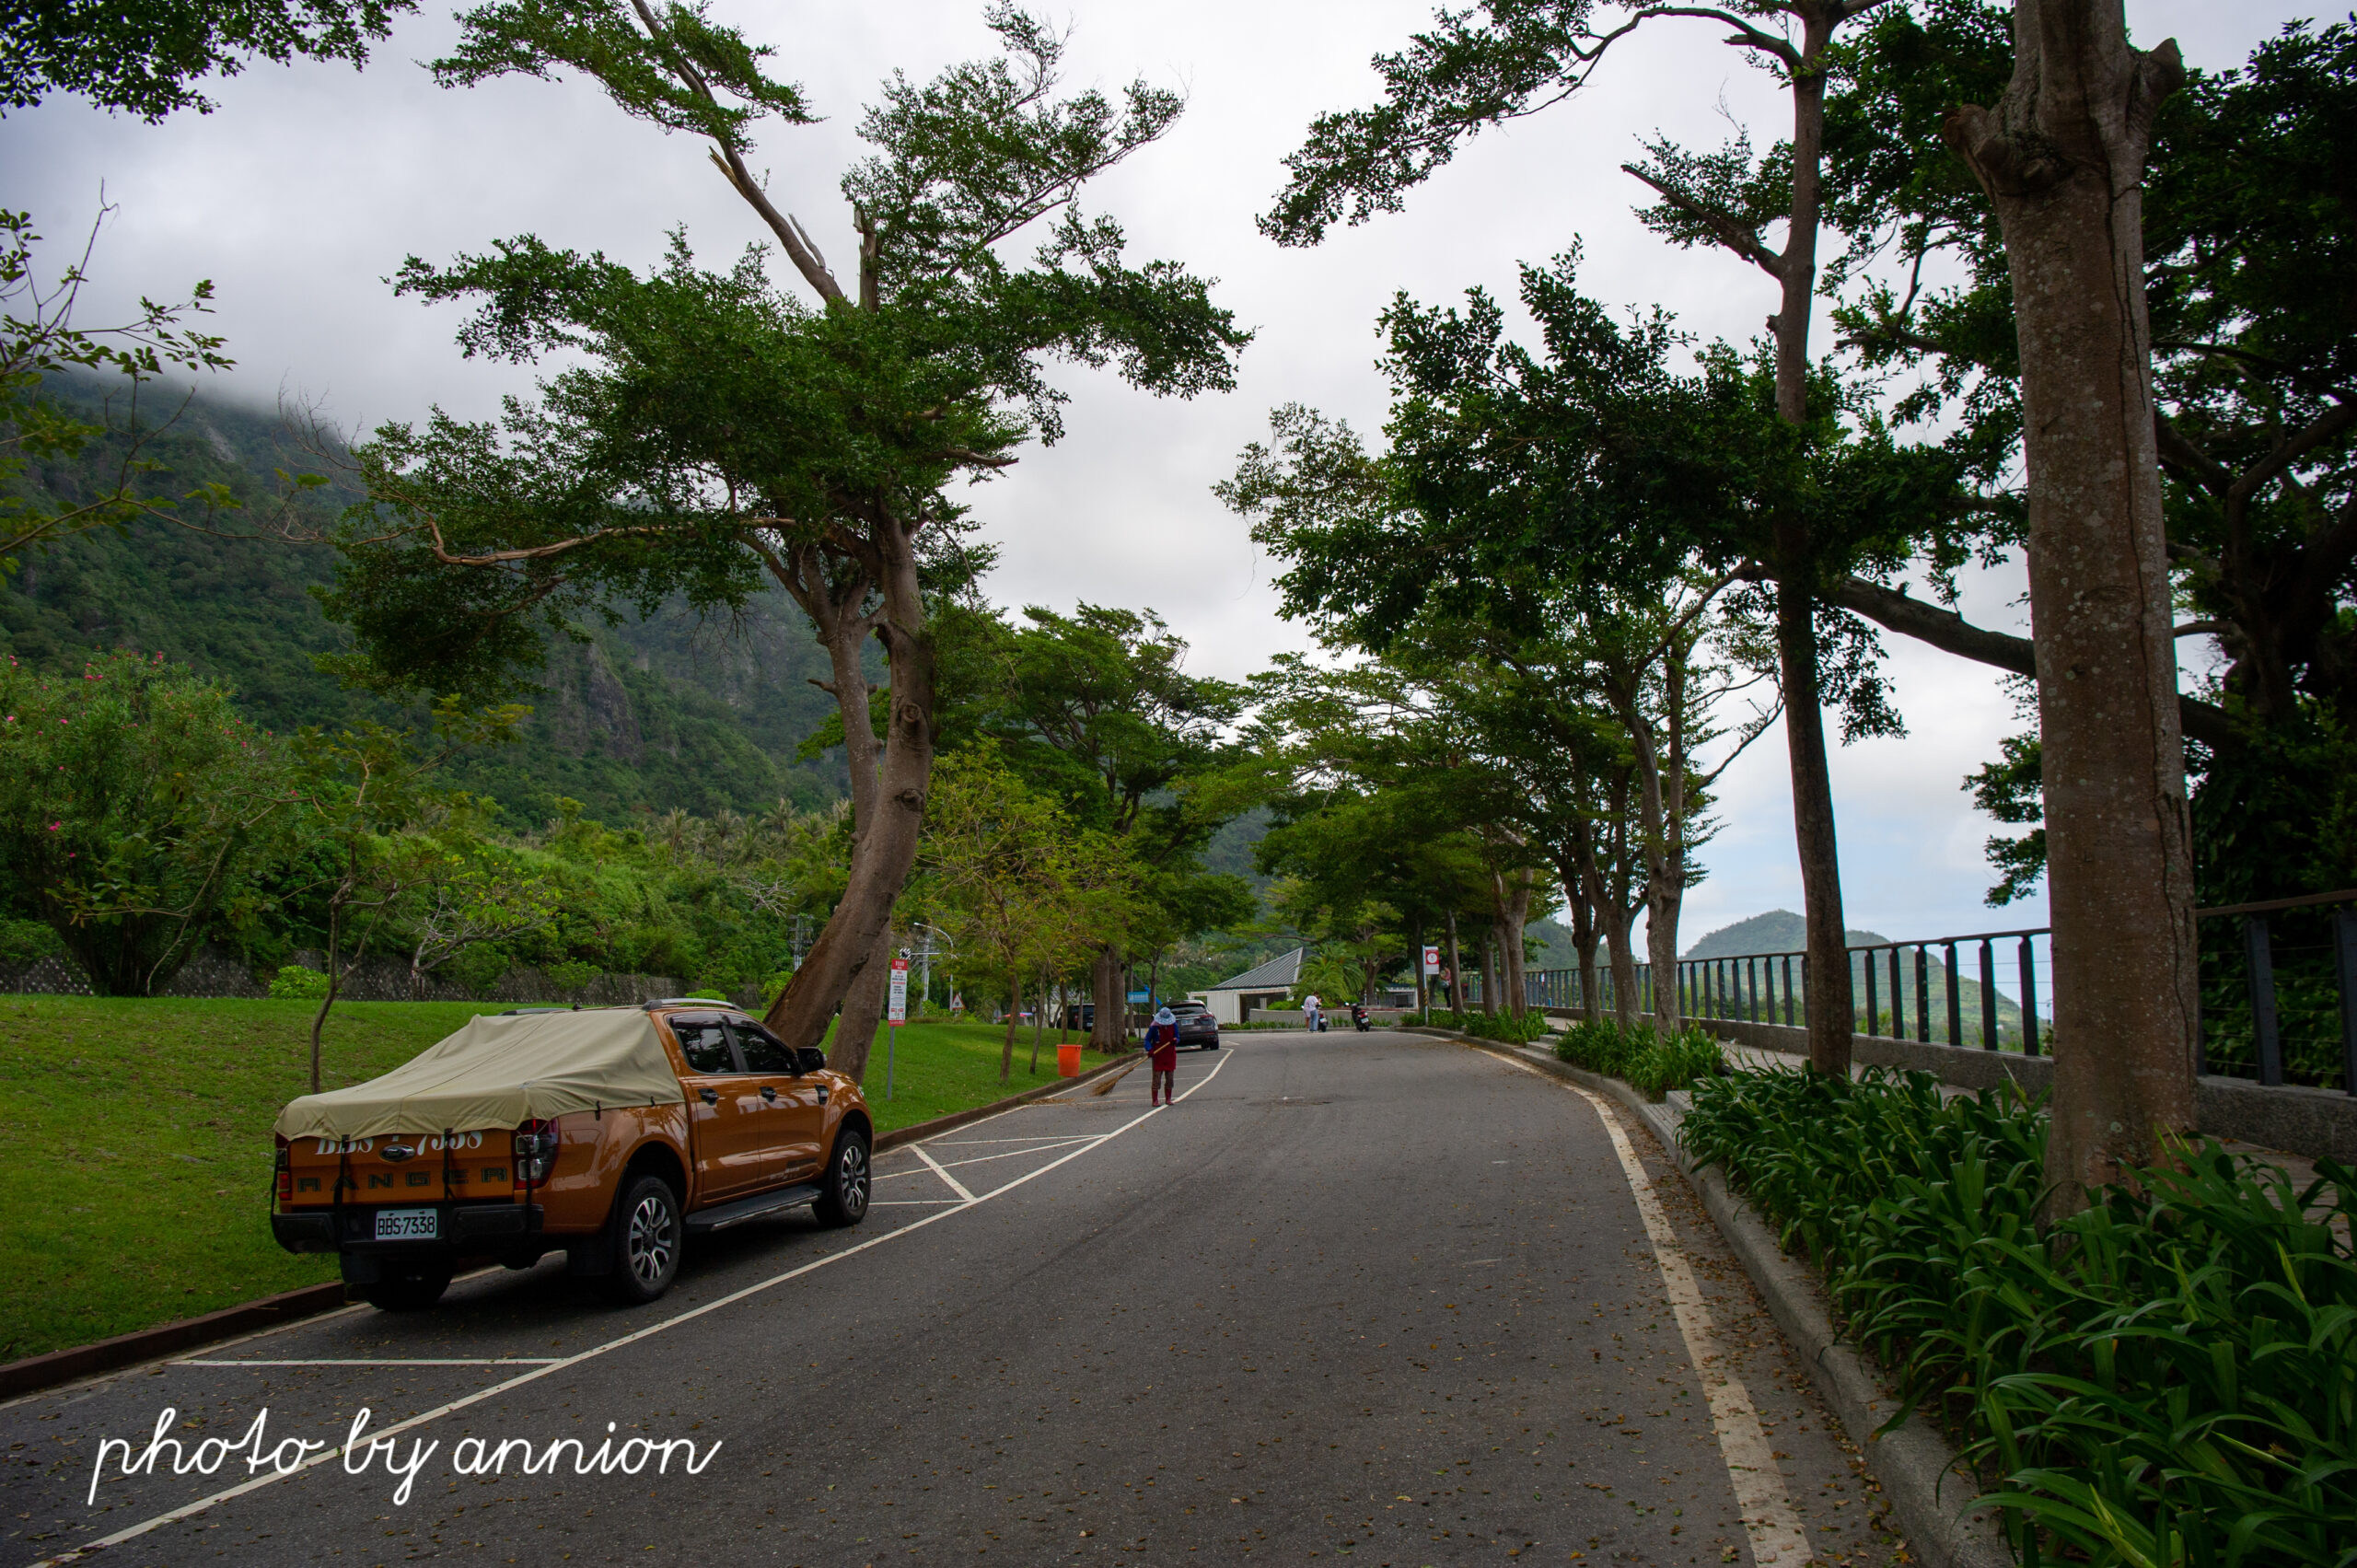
[{"x": 614, "y": 1133}]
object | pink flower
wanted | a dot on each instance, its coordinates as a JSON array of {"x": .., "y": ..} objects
[{"x": 54, "y": 826}]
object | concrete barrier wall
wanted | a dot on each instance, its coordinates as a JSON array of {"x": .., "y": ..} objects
[{"x": 2319, "y": 1124}]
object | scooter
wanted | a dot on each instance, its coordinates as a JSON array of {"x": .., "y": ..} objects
[{"x": 1358, "y": 1016}]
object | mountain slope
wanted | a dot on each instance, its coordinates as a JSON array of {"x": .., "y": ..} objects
[{"x": 644, "y": 717}]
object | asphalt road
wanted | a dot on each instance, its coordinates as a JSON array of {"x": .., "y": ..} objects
[{"x": 1378, "y": 1296}]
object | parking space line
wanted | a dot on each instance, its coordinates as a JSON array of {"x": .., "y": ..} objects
[
  {"x": 912, "y": 1202},
  {"x": 942, "y": 1171},
  {"x": 970, "y": 1143},
  {"x": 188, "y": 1510},
  {"x": 1010, "y": 1154}
]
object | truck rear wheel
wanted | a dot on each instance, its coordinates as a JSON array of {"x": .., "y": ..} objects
[
  {"x": 843, "y": 1200},
  {"x": 407, "y": 1287},
  {"x": 646, "y": 1241}
]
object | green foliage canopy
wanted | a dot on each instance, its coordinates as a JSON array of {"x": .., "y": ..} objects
[{"x": 137, "y": 811}]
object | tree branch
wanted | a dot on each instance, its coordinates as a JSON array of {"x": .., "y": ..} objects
[
  {"x": 1950, "y": 632},
  {"x": 1730, "y": 234}
]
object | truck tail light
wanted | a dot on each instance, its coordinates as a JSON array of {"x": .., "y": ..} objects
[
  {"x": 286, "y": 1173},
  {"x": 535, "y": 1152}
]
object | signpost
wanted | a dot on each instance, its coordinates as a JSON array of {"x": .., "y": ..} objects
[
  {"x": 897, "y": 1015},
  {"x": 1431, "y": 960}
]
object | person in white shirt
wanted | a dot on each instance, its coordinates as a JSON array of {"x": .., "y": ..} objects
[{"x": 1309, "y": 1010}]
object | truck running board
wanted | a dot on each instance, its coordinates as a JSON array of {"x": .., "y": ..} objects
[{"x": 722, "y": 1216}]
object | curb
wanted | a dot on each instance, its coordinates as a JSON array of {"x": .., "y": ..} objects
[
  {"x": 917, "y": 1131},
  {"x": 47, "y": 1371},
  {"x": 1913, "y": 1463},
  {"x": 38, "y": 1372}
]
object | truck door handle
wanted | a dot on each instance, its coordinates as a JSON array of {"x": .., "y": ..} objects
[
  {"x": 768, "y": 1093},
  {"x": 709, "y": 1097}
]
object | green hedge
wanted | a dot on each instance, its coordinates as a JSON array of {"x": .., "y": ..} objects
[
  {"x": 1505, "y": 1027},
  {"x": 1651, "y": 1062},
  {"x": 2167, "y": 1378}
]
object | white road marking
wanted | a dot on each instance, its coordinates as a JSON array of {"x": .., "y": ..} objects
[
  {"x": 1768, "y": 1517},
  {"x": 187, "y": 1510},
  {"x": 1010, "y": 1154},
  {"x": 1042, "y": 1146},
  {"x": 942, "y": 1171},
  {"x": 970, "y": 1143},
  {"x": 912, "y": 1202},
  {"x": 421, "y": 1360}
]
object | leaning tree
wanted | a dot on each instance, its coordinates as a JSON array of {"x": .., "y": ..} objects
[{"x": 718, "y": 431}]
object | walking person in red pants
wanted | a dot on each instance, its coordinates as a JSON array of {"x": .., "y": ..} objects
[{"x": 1161, "y": 1056}]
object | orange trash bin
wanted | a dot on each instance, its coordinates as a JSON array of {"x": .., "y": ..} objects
[{"x": 1068, "y": 1060}]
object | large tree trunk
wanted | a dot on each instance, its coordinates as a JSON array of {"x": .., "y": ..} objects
[
  {"x": 2062, "y": 157},
  {"x": 1509, "y": 909},
  {"x": 1613, "y": 917},
  {"x": 1583, "y": 936},
  {"x": 884, "y": 844},
  {"x": 1108, "y": 1033},
  {"x": 863, "y": 1010},
  {"x": 1828, "y": 992},
  {"x": 1489, "y": 986},
  {"x": 1813, "y": 825},
  {"x": 1457, "y": 972},
  {"x": 1014, "y": 1016}
]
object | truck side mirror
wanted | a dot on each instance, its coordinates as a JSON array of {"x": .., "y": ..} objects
[{"x": 813, "y": 1059}]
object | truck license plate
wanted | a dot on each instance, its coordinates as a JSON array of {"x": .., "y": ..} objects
[{"x": 408, "y": 1225}]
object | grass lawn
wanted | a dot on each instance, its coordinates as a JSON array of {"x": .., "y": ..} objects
[
  {"x": 941, "y": 1067},
  {"x": 135, "y": 1147}
]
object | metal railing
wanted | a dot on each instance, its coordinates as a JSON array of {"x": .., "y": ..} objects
[
  {"x": 2279, "y": 990},
  {"x": 1954, "y": 987}
]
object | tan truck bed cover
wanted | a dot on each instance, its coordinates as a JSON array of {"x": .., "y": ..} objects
[{"x": 501, "y": 1071}]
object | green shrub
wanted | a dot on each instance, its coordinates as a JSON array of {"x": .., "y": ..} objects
[
  {"x": 293, "y": 982},
  {"x": 1674, "y": 1061},
  {"x": 23, "y": 941},
  {"x": 2169, "y": 1376},
  {"x": 137, "y": 811},
  {"x": 1649, "y": 1062},
  {"x": 570, "y": 975},
  {"x": 1504, "y": 1026}
]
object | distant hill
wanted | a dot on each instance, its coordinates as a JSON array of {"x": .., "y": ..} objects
[
  {"x": 1782, "y": 931},
  {"x": 1778, "y": 931},
  {"x": 649, "y": 716}
]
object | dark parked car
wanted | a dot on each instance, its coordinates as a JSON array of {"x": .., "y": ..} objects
[
  {"x": 1196, "y": 1026},
  {"x": 1081, "y": 1016}
]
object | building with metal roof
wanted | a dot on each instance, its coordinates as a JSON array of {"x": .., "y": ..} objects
[{"x": 1263, "y": 985}]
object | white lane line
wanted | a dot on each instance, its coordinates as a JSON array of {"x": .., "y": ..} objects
[
  {"x": 1768, "y": 1517},
  {"x": 419, "y": 1361},
  {"x": 911, "y": 1203},
  {"x": 942, "y": 1171},
  {"x": 132, "y": 1532}
]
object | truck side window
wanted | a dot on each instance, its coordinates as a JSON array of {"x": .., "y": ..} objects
[
  {"x": 763, "y": 1051},
  {"x": 704, "y": 1045}
]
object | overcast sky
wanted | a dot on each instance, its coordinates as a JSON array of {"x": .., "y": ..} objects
[{"x": 306, "y": 189}]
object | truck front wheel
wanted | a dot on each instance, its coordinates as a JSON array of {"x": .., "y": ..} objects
[
  {"x": 844, "y": 1198},
  {"x": 645, "y": 1241}
]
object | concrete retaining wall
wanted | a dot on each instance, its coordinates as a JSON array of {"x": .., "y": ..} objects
[
  {"x": 2319, "y": 1124},
  {"x": 218, "y": 972}
]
